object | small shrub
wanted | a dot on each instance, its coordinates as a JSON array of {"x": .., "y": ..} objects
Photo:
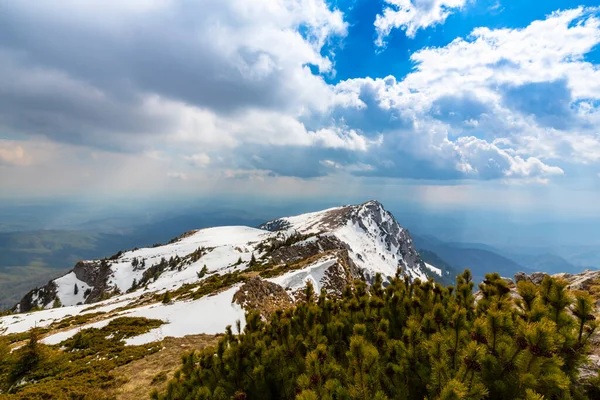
[
  {"x": 166, "y": 299},
  {"x": 160, "y": 377},
  {"x": 202, "y": 272}
]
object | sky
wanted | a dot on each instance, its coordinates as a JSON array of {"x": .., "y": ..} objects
[{"x": 450, "y": 104}]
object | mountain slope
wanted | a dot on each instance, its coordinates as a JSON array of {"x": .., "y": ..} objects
[
  {"x": 545, "y": 262},
  {"x": 206, "y": 270},
  {"x": 447, "y": 274},
  {"x": 479, "y": 260}
]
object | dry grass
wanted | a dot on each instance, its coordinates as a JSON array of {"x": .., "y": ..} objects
[{"x": 139, "y": 378}]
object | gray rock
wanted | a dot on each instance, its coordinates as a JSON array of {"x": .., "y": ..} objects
[
  {"x": 508, "y": 280},
  {"x": 590, "y": 369},
  {"x": 521, "y": 276},
  {"x": 537, "y": 277}
]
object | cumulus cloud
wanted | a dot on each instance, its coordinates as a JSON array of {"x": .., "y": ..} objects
[
  {"x": 236, "y": 89},
  {"x": 95, "y": 75},
  {"x": 500, "y": 104},
  {"x": 479, "y": 157},
  {"x": 412, "y": 15}
]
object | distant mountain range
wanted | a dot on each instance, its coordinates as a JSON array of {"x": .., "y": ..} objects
[{"x": 482, "y": 258}]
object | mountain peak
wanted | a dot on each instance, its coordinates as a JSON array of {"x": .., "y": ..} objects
[
  {"x": 330, "y": 248},
  {"x": 377, "y": 243},
  {"x": 329, "y": 219},
  {"x": 371, "y": 203}
]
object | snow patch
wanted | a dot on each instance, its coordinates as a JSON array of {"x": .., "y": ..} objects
[
  {"x": 297, "y": 279},
  {"x": 64, "y": 335},
  {"x": 17, "y": 323},
  {"x": 210, "y": 315},
  {"x": 65, "y": 290},
  {"x": 433, "y": 269},
  {"x": 225, "y": 242}
]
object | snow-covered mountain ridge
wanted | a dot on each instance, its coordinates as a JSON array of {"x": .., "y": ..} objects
[{"x": 221, "y": 272}]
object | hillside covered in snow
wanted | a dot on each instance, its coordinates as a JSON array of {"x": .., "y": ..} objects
[{"x": 219, "y": 273}]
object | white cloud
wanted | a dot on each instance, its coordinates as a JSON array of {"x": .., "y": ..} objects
[
  {"x": 412, "y": 15},
  {"x": 164, "y": 68},
  {"x": 529, "y": 95},
  {"x": 545, "y": 51},
  {"x": 339, "y": 138},
  {"x": 198, "y": 160},
  {"x": 355, "y": 167},
  {"x": 485, "y": 159},
  {"x": 12, "y": 154},
  {"x": 177, "y": 175},
  {"x": 228, "y": 89}
]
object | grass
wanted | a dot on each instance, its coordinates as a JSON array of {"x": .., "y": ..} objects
[
  {"x": 84, "y": 366},
  {"x": 160, "y": 377},
  {"x": 76, "y": 320},
  {"x": 140, "y": 377}
]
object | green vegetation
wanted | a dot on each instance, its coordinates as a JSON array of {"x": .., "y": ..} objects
[
  {"x": 216, "y": 283},
  {"x": 21, "y": 336},
  {"x": 160, "y": 377},
  {"x": 405, "y": 341},
  {"x": 166, "y": 299},
  {"x": 202, "y": 272},
  {"x": 197, "y": 254},
  {"x": 153, "y": 272},
  {"x": 78, "y": 368},
  {"x": 76, "y": 320}
]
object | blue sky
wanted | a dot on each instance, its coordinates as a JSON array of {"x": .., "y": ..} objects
[
  {"x": 360, "y": 57},
  {"x": 448, "y": 104}
]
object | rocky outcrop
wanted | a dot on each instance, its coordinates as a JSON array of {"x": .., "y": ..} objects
[
  {"x": 591, "y": 368},
  {"x": 339, "y": 275},
  {"x": 94, "y": 274},
  {"x": 263, "y": 296},
  {"x": 307, "y": 248},
  {"x": 581, "y": 281},
  {"x": 37, "y": 298},
  {"x": 536, "y": 277},
  {"x": 395, "y": 236}
]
